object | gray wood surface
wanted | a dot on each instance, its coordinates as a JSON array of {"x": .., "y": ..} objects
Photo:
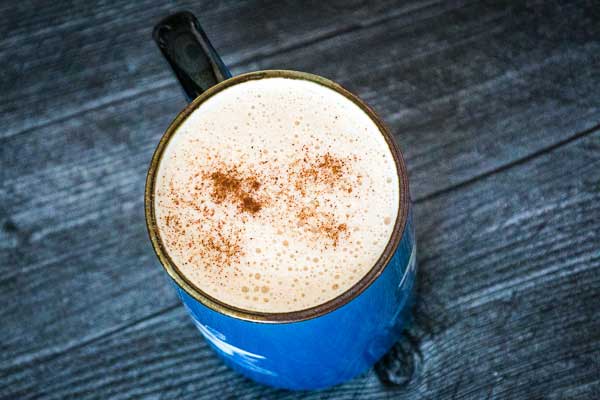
[{"x": 497, "y": 110}]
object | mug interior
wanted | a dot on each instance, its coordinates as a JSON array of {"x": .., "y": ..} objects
[{"x": 291, "y": 316}]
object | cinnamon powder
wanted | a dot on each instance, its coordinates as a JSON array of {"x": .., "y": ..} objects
[
  {"x": 321, "y": 223},
  {"x": 325, "y": 170},
  {"x": 230, "y": 186},
  {"x": 221, "y": 240}
]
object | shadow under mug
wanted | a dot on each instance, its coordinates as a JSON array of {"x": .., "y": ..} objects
[{"x": 308, "y": 349}]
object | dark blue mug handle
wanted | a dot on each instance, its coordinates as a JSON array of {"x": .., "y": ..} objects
[{"x": 190, "y": 54}]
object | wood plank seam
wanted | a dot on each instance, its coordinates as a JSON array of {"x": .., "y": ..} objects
[
  {"x": 343, "y": 31},
  {"x": 507, "y": 166},
  {"x": 51, "y": 354}
]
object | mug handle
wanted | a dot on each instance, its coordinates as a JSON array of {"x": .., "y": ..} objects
[{"x": 189, "y": 52}]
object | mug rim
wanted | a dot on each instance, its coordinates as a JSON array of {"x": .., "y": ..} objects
[{"x": 288, "y": 316}]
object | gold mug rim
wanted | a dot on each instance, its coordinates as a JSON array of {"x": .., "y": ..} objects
[{"x": 288, "y": 316}]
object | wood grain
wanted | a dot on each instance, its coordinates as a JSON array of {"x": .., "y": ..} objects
[
  {"x": 97, "y": 54},
  {"x": 495, "y": 107}
]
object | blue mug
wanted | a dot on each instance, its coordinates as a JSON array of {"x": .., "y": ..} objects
[{"x": 308, "y": 349}]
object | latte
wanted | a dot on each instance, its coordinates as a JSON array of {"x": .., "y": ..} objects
[{"x": 276, "y": 195}]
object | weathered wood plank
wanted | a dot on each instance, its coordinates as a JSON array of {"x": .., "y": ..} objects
[
  {"x": 97, "y": 54},
  {"x": 509, "y": 289},
  {"x": 81, "y": 231}
]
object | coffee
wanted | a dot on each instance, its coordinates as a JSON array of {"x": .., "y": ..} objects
[{"x": 276, "y": 195}]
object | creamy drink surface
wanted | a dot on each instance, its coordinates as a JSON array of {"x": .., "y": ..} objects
[{"x": 276, "y": 195}]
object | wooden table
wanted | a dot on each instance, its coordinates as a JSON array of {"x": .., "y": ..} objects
[{"x": 497, "y": 110}]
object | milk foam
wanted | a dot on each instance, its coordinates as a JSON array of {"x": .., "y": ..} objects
[{"x": 276, "y": 195}]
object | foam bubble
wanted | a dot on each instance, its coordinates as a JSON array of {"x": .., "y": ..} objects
[{"x": 279, "y": 204}]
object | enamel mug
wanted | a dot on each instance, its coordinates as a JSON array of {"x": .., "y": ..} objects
[{"x": 307, "y": 349}]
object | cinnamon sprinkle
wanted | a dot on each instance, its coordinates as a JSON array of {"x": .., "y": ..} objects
[
  {"x": 230, "y": 186},
  {"x": 218, "y": 239},
  {"x": 221, "y": 247},
  {"x": 321, "y": 223},
  {"x": 325, "y": 170}
]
